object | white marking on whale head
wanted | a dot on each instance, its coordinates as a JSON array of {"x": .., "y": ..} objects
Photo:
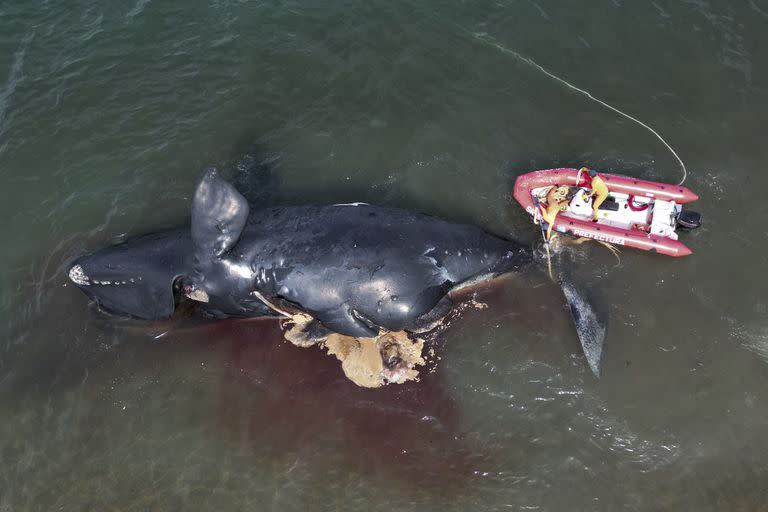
[
  {"x": 351, "y": 204},
  {"x": 77, "y": 276}
]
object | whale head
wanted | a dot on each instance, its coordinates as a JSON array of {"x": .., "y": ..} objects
[
  {"x": 145, "y": 277},
  {"x": 139, "y": 278}
]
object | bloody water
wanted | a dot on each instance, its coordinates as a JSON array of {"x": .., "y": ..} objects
[{"x": 109, "y": 112}]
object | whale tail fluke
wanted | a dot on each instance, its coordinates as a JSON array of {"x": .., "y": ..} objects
[
  {"x": 590, "y": 325},
  {"x": 589, "y": 328}
]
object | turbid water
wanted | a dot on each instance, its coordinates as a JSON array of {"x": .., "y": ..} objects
[{"x": 109, "y": 112}]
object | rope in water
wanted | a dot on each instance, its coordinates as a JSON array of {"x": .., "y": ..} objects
[
  {"x": 484, "y": 39},
  {"x": 540, "y": 219}
]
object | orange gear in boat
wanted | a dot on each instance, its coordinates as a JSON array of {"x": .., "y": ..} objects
[
  {"x": 599, "y": 189},
  {"x": 556, "y": 202}
]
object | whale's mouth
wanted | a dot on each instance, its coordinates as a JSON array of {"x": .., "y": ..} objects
[
  {"x": 78, "y": 276},
  {"x": 127, "y": 292},
  {"x": 136, "y": 278}
]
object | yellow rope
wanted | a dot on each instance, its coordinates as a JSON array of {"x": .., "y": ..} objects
[
  {"x": 615, "y": 250},
  {"x": 549, "y": 263},
  {"x": 484, "y": 38}
]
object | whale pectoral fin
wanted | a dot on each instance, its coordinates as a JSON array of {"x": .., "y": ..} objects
[
  {"x": 431, "y": 318},
  {"x": 219, "y": 213},
  {"x": 306, "y": 331},
  {"x": 349, "y": 322},
  {"x": 316, "y": 332},
  {"x": 403, "y": 310},
  {"x": 428, "y": 299}
]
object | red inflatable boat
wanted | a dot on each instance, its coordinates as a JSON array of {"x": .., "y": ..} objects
[{"x": 637, "y": 213}]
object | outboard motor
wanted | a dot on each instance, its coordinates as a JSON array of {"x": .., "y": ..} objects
[{"x": 688, "y": 220}]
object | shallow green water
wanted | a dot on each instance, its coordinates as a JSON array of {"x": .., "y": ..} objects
[{"x": 109, "y": 111}]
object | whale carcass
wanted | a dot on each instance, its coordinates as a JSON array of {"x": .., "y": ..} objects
[{"x": 354, "y": 270}]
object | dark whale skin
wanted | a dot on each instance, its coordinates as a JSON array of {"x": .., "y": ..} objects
[{"x": 353, "y": 267}]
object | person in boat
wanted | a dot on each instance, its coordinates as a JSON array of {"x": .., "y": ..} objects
[
  {"x": 599, "y": 189},
  {"x": 556, "y": 201}
]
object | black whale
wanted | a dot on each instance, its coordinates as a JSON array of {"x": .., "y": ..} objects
[{"x": 354, "y": 268}]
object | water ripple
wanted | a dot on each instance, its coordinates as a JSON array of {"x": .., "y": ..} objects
[{"x": 15, "y": 78}]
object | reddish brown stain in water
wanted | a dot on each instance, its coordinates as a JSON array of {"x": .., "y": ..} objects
[{"x": 410, "y": 432}]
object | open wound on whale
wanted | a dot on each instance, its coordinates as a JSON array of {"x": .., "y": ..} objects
[{"x": 389, "y": 358}]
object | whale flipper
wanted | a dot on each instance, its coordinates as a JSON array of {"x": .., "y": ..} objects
[
  {"x": 345, "y": 320},
  {"x": 590, "y": 330},
  {"x": 431, "y": 318},
  {"x": 219, "y": 213}
]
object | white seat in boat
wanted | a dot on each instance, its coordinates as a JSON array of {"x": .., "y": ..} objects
[
  {"x": 663, "y": 220},
  {"x": 579, "y": 206}
]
